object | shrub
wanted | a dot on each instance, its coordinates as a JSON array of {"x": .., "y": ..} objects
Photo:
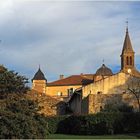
[
  {"x": 131, "y": 122},
  {"x": 53, "y": 122},
  {"x": 96, "y": 124},
  {"x": 72, "y": 125},
  {"x": 21, "y": 126},
  {"x": 19, "y": 119}
]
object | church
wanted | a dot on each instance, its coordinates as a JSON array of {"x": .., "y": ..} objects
[{"x": 88, "y": 93}]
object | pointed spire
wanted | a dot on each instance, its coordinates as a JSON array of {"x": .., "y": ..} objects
[
  {"x": 39, "y": 75},
  {"x": 39, "y": 68},
  {"x": 127, "y": 26},
  {"x": 127, "y": 46},
  {"x": 103, "y": 61}
]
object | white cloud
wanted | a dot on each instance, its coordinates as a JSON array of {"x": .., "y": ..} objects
[{"x": 64, "y": 37}]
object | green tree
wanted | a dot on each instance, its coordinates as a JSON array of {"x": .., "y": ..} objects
[
  {"x": 19, "y": 117},
  {"x": 11, "y": 82}
]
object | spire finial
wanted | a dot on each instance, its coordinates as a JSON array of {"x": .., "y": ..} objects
[
  {"x": 39, "y": 66},
  {"x": 103, "y": 61},
  {"x": 127, "y": 25}
]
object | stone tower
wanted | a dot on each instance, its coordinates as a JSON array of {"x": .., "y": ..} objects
[
  {"x": 128, "y": 56},
  {"x": 39, "y": 82}
]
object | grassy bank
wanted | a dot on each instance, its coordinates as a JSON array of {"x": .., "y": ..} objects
[{"x": 124, "y": 136}]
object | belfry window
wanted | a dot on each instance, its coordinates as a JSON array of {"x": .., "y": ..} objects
[
  {"x": 130, "y": 60},
  {"x": 127, "y": 60}
]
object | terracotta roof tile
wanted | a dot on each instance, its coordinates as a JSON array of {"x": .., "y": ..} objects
[{"x": 71, "y": 80}]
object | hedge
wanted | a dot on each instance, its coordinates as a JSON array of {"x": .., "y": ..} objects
[
  {"x": 21, "y": 126},
  {"x": 53, "y": 122},
  {"x": 96, "y": 124}
]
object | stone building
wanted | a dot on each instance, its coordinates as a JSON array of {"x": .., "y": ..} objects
[
  {"x": 62, "y": 88},
  {"x": 88, "y": 93}
]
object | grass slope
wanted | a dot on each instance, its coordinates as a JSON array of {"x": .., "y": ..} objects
[{"x": 62, "y": 136}]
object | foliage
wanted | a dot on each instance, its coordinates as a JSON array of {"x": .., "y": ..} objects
[
  {"x": 11, "y": 82},
  {"x": 96, "y": 124},
  {"x": 122, "y": 107},
  {"x": 19, "y": 119},
  {"x": 19, "y": 116},
  {"x": 101, "y": 123},
  {"x": 53, "y": 122},
  {"x": 131, "y": 122}
]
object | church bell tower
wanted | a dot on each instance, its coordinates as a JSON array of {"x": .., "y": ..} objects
[{"x": 128, "y": 55}]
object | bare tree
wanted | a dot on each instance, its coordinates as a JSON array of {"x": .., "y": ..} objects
[{"x": 134, "y": 89}]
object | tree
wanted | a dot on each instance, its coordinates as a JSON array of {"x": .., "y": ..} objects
[
  {"x": 122, "y": 107},
  {"x": 133, "y": 87},
  {"x": 11, "y": 82},
  {"x": 19, "y": 117}
]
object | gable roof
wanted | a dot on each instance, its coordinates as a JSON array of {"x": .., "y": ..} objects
[{"x": 71, "y": 80}]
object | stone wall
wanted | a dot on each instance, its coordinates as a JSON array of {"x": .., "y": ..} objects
[
  {"x": 97, "y": 102},
  {"x": 39, "y": 86},
  {"x": 60, "y": 91},
  {"x": 113, "y": 88},
  {"x": 109, "y": 85}
]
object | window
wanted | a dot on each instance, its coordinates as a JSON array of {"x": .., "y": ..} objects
[
  {"x": 70, "y": 92},
  {"x": 101, "y": 108},
  {"x": 90, "y": 92},
  {"x": 99, "y": 92},
  {"x": 130, "y": 60},
  {"x": 59, "y": 94},
  {"x": 127, "y": 60}
]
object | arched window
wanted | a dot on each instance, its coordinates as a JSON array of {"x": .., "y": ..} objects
[
  {"x": 127, "y": 60},
  {"x": 130, "y": 60}
]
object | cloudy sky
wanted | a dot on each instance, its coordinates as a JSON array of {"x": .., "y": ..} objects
[{"x": 65, "y": 37}]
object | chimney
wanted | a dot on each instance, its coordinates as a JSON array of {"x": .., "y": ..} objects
[{"x": 61, "y": 77}]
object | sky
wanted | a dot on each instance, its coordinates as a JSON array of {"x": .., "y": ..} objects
[{"x": 66, "y": 37}]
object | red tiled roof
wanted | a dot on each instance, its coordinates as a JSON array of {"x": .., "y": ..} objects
[{"x": 71, "y": 80}]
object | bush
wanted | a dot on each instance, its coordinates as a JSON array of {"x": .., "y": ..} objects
[
  {"x": 53, "y": 123},
  {"x": 131, "y": 122},
  {"x": 21, "y": 126},
  {"x": 19, "y": 116},
  {"x": 71, "y": 125},
  {"x": 19, "y": 119},
  {"x": 96, "y": 124}
]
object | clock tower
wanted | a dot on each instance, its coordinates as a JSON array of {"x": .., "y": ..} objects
[{"x": 128, "y": 56}]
